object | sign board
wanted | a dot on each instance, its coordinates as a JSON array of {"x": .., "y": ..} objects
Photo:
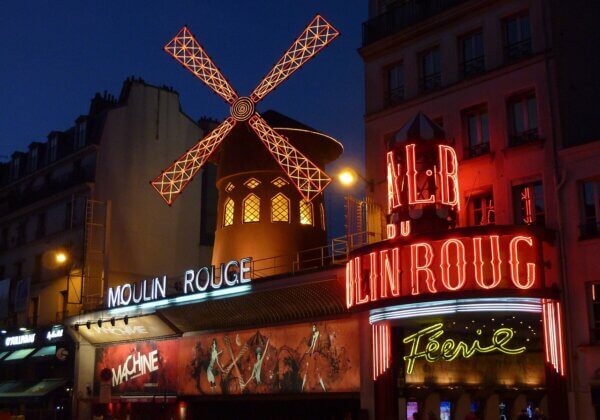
[{"x": 138, "y": 328}]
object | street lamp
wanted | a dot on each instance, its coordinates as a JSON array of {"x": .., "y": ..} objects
[
  {"x": 60, "y": 257},
  {"x": 349, "y": 176}
]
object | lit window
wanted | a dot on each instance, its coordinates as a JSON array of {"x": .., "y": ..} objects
[
  {"x": 529, "y": 204},
  {"x": 229, "y": 187},
  {"x": 228, "y": 212},
  {"x": 475, "y": 121},
  {"x": 280, "y": 208},
  {"x": 322, "y": 216},
  {"x": 251, "y": 209},
  {"x": 590, "y": 206},
  {"x": 279, "y": 182},
  {"x": 252, "y": 183},
  {"x": 306, "y": 213},
  {"x": 481, "y": 210}
]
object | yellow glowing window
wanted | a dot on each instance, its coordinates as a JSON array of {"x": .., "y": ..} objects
[
  {"x": 279, "y": 182},
  {"x": 251, "y": 209},
  {"x": 322, "y": 208},
  {"x": 229, "y": 187},
  {"x": 228, "y": 212},
  {"x": 280, "y": 208},
  {"x": 306, "y": 213},
  {"x": 252, "y": 183}
]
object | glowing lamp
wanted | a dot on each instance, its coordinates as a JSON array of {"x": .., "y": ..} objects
[
  {"x": 60, "y": 257},
  {"x": 347, "y": 177}
]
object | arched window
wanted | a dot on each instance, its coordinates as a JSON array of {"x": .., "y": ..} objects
[
  {"x": 306, "y": 213},
  {"x": 322, "y": 216},
  {"x": 228, "y": 212},
  {"x": 280, "y": 208},
  {"x": 251, "y": 209}
]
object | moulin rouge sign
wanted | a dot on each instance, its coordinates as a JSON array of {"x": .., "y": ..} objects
[{"x": 452, "y": 260}]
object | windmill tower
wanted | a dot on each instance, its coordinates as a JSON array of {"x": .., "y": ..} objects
[{"x": 270, "y": 200}]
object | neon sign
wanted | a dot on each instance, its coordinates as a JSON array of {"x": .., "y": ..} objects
[
  {"x": 195, "y": 281},
  {"x": 136, "y": 364},
  {"x": 17, "y": 340},
  {"x": 427, "y": 344},
  {"x": 476, "y": 262}
]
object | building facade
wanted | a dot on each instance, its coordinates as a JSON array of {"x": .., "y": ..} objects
[
  {"x": 77, "y": 216},
  {"x": 498, "y": 77}
]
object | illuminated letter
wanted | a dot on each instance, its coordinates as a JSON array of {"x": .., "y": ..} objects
[
  {"x": 415, "y": 267},
  {"x": 405, "y": 228},
  {"x": 390, "y": 272},
  {"x": 349, "y": 284},
  {"x": 411, "y": 173},
  {"x": 460, "y": 264},
  {"x": 448, "y": 174},
  {"x": 140, "y": 287},
  {"x": 113, "y": 296},
  {"x": 244, "y": 269},
  {"x": 235, "y": 275},
  {"x": 393, "y": 170},
  {"x": 514, "y": 263},
  {"x": 373, "y": 275},
  {"x": 391, "y": 230},
  {"x": 188, "y": 279},
  {"x": 358, "y": 278},
  {"x": 160, "y": 287},
  {"x": 496, "y": 262},
  {"x": 205, "y": 286},
  {"x": 126, "y": 286}
]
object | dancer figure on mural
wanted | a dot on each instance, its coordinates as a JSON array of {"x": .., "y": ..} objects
[
  {"x": 257, "y": 368},
  {"x": 214, "y": 358},
  {"x": 313, "y": 362}
]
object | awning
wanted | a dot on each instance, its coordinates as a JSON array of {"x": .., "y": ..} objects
[
  {"x": 19, "y": 354},
  {"x": 45, "y": 352},
  {"x": 3, "y": 354},
  {"x": 15, "y": 389}
]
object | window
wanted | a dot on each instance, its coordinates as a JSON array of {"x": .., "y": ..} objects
[
  {"x": 80, "y": 137},
  {"x": 323, "y": 226},
  {"x": 306, "y": 213},
  {"x": 529, "y": 204},
  {"x": 33, "y": 159},
  {"x": 68, "y": 215},
  {"x": 252, "y": 183},
  {"x": 228, "y": 212},
  {"x": 394, "y": 92},
  {"x": 279, "y": 182},
  {"x": 280, "y": 208},
  {"x": 430, "y": 75},
  {"x": 229, "y": 187},
  {"x": 34, "y": 304},
  {"x": 517, "y": 37},
  {"x": 594, "y": 291},
  {"x": 21, "y": 233},
  {"x": 37, "y": 268},
  {"x": 52, "y": 148},
  {"x": 16, "y": 168},
  {"x": 476, "y": 125},
  {"x": 522, "y": 112},
  {"x": 590, "y": 206},
  {"x": 251, "y": 207},
  {"x": 473, "y": 61},
  {"x": 40, "y": 230},
  {"x": 481, "y": 210}
]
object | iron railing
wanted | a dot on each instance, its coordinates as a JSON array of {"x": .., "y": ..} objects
[
  {"x": 517, "y": 50},
  {"x": 473, "y": 67},
  {"x": 478, "y": 149},
  {"x": 430, "y": 82},
  {"x": 524, "y": 137},
  {"x": 394, "y": 96}
]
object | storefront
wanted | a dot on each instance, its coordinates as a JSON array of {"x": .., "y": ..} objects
[{"x": 37, "y": 373}]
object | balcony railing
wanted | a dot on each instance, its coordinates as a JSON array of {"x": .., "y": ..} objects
[
  {"x": 517, "y": 50},
  {"x": 589, "y": 229},
  {"x": 430, "y": 82},
  {"x": 473, "y": 67},
  {"x": 403, "y": 15},
  {"x": 478, "y": 149},
  {"x": 394, "y": 96},
  {"x": 525, "y": 137}
]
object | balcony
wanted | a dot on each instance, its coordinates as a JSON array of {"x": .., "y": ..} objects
[
  {"x": 473, "y": 67},
  {"x": 478, "y": 149},
  {"x": 525, "y": 137},
  {"x": 430, "y": 82},
  {"x": 394, "y": 96},
  {"x": 403, "y": 15},
  {"x": 517, "y": 50}
]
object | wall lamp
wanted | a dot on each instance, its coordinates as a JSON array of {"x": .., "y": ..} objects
[{"x": 349, "y": 176}]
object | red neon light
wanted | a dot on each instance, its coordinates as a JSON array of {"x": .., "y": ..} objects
[
  {"x": 553, "y": 335},
  {"x": 514, "y": 263},
  {"x": 390, "y": 272},
  {"x": 391, "y": 230},
  {"x": 350, "y": 291},
  {"x": 373, "y": 275},
  {"x": 405, "y": 227},
  {"x": 416, "y": 267},
  {"x": 393, "y": 171},
  {"x": 381, "y": 343},
  {"x": 308, "y": 178},
  {"x": 448, "y": 174},
  {"x": 357, "y": 275},
  {"x": 496, "y": 262},
  {"x": 460, "y": 264},
  {"x": 411, "y": 174}
]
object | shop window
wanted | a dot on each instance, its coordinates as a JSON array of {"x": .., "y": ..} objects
[
  {"x": 228, "y": 212},
  {"x": 279, "y": 182},
  {"x": 280, "y": 208},
  {"x": 472, "y": 57},
  {"x": 590, "y": 209},
  {"x": 481, "y": 210},
  {"x": 306, "y": 213},
  {"x": 322, "y": 208},
  {"x": 517, "y": 37},
  {"x": 522, "y": 113},
  {"x": 394, "y": 92},
  {"x": 252, "y": 183},
  {"x": 430, "y": 71},
  {"x": 529, "y": 204},
  {"x": 251, "y": 206},
  {"x": 475, "y": 122},
  {"x": 594, "y": 311},
  {"x": 229, "y": 187}
]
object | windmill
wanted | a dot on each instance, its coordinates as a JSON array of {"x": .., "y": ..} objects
[{"x": 306, "y": 176}]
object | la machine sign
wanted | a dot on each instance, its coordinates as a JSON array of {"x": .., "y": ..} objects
[{"x": 206, "y": 279}]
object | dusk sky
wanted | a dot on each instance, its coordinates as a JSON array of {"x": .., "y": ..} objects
[{"x": 56, "y": 55}]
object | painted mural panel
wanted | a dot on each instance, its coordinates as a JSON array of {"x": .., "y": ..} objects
[
  {"x": 319, "y": 357},
  {"x": 136, "y": 366}
]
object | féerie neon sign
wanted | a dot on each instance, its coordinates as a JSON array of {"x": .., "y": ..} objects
[
  {"x": 484, "y": 262},
  {"x": 427, "y": 344}
]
